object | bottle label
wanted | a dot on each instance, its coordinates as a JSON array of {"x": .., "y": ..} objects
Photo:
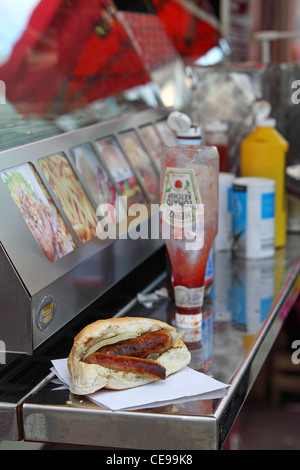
[
  {"x": 253, "y": 220},
  {"x": 181, "y": 199},
  {"x": 188, "y": 321},
  {"x": 188, "y": 298}
]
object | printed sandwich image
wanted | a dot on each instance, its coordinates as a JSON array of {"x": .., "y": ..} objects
[{"x": 38, "y": 210}]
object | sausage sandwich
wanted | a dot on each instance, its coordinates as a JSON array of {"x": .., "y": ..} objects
[{"x": 121, "y": 353}]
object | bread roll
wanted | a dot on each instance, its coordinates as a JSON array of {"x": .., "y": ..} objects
[{"x": 88, "y": 378}]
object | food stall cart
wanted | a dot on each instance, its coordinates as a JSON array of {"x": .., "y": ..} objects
[
  {"x": 243, "y": 315},
  {"x": 61, "y": 276}
]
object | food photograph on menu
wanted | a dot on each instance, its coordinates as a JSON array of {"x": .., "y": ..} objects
[
  {"x": 96, "y": 178},
  {"x": 152, "y": 142},
  {"x": 140, "y": 160},
  {"x": 71, "y": 195},
  {"x": 121, "y": 171},
  {"x": 167, "y": 134},
  {"x": 39, "y": 211}
]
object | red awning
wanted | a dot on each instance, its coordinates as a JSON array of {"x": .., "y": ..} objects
[
  {"x": 191, "y": 36},
  {"x": 73, "y": 52}
]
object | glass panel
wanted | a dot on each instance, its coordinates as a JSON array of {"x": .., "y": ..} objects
[
  {"x": 96, "y": 178},
  {"x": 71, "y": 195},
  {"x": 141, "y": 162},
  {"x": 39, "y": 211},
  {"x": 152, "y": 142},
  {"x": 72, "y": 56},
  {"x": 94, "y": 175},
  {"x": 121, "y": 171},
  {"x": 166, "y": 133}
]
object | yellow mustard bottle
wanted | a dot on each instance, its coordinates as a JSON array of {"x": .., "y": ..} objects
[{"x": 263, "y": 154}]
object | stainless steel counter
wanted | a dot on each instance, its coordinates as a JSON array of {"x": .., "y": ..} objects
[{"x": 244, "y": 312}]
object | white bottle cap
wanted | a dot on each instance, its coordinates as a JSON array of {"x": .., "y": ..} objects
[
  {"x": 179, "y": 122},
  {"x": 262, "y": 111}
]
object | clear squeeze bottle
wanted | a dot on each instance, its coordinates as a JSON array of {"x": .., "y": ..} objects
[
  {"x": 189, "y": 135},
  {"x": 263, "y": 154}
]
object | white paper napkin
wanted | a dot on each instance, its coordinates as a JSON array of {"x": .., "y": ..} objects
[{"x": 185, "y": 384}]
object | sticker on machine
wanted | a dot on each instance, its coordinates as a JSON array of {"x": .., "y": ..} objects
[{"x": 46, "y": 312}]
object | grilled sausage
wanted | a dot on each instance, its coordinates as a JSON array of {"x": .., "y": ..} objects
[
  {"x": 144, "y": 345},
  {"x": 135, "y": 365}
]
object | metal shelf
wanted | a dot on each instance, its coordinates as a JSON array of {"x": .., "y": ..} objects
[{"x": 239, "y": 351}]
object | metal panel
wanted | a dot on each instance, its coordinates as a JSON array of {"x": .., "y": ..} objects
[
  {"x": 110, "y": 429},
  {"x": 9, "y": 422},
  {"x": 15, "y": 308},
  {"x": 77, "y": 279}
]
